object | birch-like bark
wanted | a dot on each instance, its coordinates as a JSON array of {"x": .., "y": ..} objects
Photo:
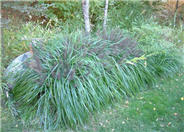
[
  {"x": 105, "y": 14},
  {"x": 85, "y": 8},
  {"x": 177, "y": 2}
]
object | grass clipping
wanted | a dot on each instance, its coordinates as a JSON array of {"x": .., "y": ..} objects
[{"x": 73, "y": 75}]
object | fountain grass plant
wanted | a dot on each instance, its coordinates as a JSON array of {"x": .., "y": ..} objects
[{"x": 74, "y": 75}]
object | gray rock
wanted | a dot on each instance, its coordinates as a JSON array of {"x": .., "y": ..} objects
[{"x": 17, "y": 65}]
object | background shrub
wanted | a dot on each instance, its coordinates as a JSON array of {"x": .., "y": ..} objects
[{"x": 153, "y": 37}]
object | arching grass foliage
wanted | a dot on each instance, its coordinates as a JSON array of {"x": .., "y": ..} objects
[{"x": 74, "y": 75}]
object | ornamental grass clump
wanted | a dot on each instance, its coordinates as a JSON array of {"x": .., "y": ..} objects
[{"x": 72, "y": 76}]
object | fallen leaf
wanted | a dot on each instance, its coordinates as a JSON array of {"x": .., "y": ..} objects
[
  {"x": 175, "y": 114},
  {"x": 169, "y": 123}
]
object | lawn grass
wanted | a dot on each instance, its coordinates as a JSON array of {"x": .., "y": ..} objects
[{"x": 160, "y": 108}]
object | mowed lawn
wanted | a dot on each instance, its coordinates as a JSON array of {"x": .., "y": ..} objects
[{"x": 159, "y": 109}]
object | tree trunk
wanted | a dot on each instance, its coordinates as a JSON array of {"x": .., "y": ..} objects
[
  {"x": 175, "y": 12},
  {"x": 105, "y": 14},
  {"x": 177, "y": 2},
  {"x": 85, "y": 8}
]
